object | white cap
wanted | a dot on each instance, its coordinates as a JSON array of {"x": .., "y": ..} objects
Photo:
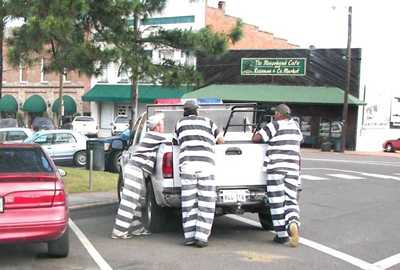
[{"x": 154, "y": 120}]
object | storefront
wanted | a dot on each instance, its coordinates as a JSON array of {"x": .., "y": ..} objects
[{"x": 311, "y": 82}]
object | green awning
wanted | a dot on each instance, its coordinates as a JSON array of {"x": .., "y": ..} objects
[
  {"x": 274, "y": 93},
  {"x": 34, "y": 104},
  {"x": 8, "y": 104},
  {"x": 122, "y": 93},
  {"x": 69, "y": 105}
]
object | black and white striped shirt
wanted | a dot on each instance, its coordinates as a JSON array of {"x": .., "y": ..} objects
[
  {"x": 196, "y": 136},
  {"x": 144, "y": 154},
  {"x": 283, "y": 138}
]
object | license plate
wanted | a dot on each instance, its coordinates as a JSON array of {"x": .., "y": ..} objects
[
  {"x": 238, "y": 195},
  {"x": 1, "y": 204}
]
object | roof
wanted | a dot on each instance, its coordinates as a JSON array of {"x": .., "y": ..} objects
[
  {"x": 274, "y": 94},
  {"x": 19, "y": 145},
  {"x": 122, "y": 93}
]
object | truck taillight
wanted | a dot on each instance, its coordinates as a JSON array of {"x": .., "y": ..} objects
[
  {"x": 167, "y": 165},
  {"x": 34, "y": 199}
]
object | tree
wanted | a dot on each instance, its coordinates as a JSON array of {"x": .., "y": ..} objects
[
  {"x": 54, "y": 29},
  {"x": 128, "y": 42},
  {"x": 8, "y": 11}
]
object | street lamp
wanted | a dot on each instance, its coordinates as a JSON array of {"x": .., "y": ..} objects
[{"x": 347, "y": 90}]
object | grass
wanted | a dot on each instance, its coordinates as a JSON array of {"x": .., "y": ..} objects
[{"x": 77, "y": 180}]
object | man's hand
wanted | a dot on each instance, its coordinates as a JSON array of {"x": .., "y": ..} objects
[{"x": 256, "y": 137}]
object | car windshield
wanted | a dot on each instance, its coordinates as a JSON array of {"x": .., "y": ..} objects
[
  {"x": 84, "y": 119},
  {"x": 31, "y": 138},
  {"x": 23, "y": 160},
  {"x": 121, "y": 120},
  {"x": 8, "y": 122}
]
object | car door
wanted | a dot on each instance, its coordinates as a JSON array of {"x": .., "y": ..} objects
[
  {"x": 64, "y": 146},
  {"x": 46, "y": 141}
]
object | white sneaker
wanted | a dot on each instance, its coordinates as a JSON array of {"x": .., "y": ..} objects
[
  {"x": 125, "y": 235},
  {"x": 141, "y": 232}
]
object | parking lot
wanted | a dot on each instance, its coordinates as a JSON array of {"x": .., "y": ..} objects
[{"x": 349, "y": 216}]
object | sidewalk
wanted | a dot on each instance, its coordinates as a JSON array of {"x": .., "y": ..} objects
[{"x": 90, "y": 199}]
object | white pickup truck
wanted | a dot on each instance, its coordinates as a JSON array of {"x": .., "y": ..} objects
[{"x": 241, "y": 185}]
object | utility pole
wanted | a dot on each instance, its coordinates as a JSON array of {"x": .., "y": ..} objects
[{"x": 348, "y": 79}]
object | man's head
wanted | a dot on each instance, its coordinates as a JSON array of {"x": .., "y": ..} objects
[
  {"x": 156, "y": 122},
  {"x": 282, "y": 111},
  {"x": 190, "y": 108}
]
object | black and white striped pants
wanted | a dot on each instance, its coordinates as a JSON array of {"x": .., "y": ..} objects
[
  {"x": 198, "y": 204},
  {"x": 129, "y": 215},
  {"x": 282, "y": 199}
]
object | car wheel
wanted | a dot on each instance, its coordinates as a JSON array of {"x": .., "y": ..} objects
[
  {"x": 80, "y": 158},
  {"x": 154, "y": 216},
  {"x": 60, "y": 247},
  {"x": 116, "y": 162},
  {"x": 266, "y": 219},
  {"x": 389, "y": 148},
  {"x": 120, "y": 185}
]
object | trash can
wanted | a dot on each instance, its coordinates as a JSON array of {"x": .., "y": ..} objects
[
  {"x": 326, "y": 146},
  {"x": 337, "y": 145},
  {"x": 98, "y": 154}
]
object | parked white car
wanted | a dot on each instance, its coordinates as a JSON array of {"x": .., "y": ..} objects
[
  {"x": 85, "y": 125},
  {"x": 62, "y": 145},
  {"x": 119, "y": 124},
  {"x": 14, "y": 135}
]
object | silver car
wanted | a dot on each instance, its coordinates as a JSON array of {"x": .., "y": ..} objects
[
  {"x": 14, "y": 134},
  {"x": 62, "y": 145}
]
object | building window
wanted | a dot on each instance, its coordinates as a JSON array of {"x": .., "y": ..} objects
[
  {"x": 168, "y": 20},
  {"x": 23, "y": 74},
  {"x": 44, "y": 73},
  {"x": 66, "y": 77},
  {"x": 103, "y": 77},
  {"x": 166, "y": 55},
  {"x": 123, "y": 77},
  {"x": 122, "y": 109}
]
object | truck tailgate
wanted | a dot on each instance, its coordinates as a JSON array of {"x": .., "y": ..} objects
[{"x": 236, "y": 165}]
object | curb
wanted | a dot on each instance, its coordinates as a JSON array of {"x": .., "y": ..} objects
[{"x": 90, "y": 205}]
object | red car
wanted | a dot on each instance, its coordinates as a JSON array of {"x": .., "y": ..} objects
[
  {"x": 33, "y": 202},
  {"x": 391, "y": 145}
]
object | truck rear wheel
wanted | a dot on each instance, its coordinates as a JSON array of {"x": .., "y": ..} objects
[
  {"x": 154, "y": 216},
  {"x": 266, "y": 219}
]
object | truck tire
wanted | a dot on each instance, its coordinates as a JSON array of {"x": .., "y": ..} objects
[
  {"x": 154, "y": 216},
  {"x": 120, "y": 185},
  {"x": 115, "y": 163},
  {"x": 266, "y": 219},
  {"x": 59, "y": 248}
]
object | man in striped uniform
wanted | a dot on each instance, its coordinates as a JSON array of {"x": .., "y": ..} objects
[
  {"x": 282, "y": 167},
  {"x": 196, "y": 136},
  {"x": 136, "y": 162}
]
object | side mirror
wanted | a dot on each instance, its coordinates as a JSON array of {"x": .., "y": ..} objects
[{"x": 62, "y": 172}]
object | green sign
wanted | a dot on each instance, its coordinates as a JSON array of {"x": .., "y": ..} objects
[{"x": 273, "y": 66}]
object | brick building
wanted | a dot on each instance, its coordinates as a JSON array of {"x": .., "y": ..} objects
[{"x": 30, "y": 91}]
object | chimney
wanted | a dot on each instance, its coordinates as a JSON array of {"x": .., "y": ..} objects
[{"x": 221, "y": 6}]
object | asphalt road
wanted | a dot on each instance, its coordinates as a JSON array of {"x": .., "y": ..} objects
[{"x": 350, "y": 220}]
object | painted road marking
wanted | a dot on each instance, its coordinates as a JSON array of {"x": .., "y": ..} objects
[
  {"x": 365, "y": 162},
  {"x": 103, "y": 265},
  {"x": 388, "y": 262},
  {"x": 324, "y": 249},
  {"x": 389, "y": 177},
  {"x": 312, "y": 178},
  {"x": 345, "y": 176}
]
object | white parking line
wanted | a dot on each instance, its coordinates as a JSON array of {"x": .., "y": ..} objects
[
  {"x": 383, "y": 176},
  {"x": 388, "y": 262},
  {"x": 364, "y": 162},
  {"x": 346, "y": 176},
  {"x": 312, "y": 177},
  {"x": 89, "y": 247},
  {"x": 324, "y": 249}
]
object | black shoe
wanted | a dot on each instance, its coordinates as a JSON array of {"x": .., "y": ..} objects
[
  {"x": 201, "y": 244},
  {"x": 281, "y": 240},
  {"x": 189, "y": 243}
]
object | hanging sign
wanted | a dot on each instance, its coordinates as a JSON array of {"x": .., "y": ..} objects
[{"x": 273, "y": 66}]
